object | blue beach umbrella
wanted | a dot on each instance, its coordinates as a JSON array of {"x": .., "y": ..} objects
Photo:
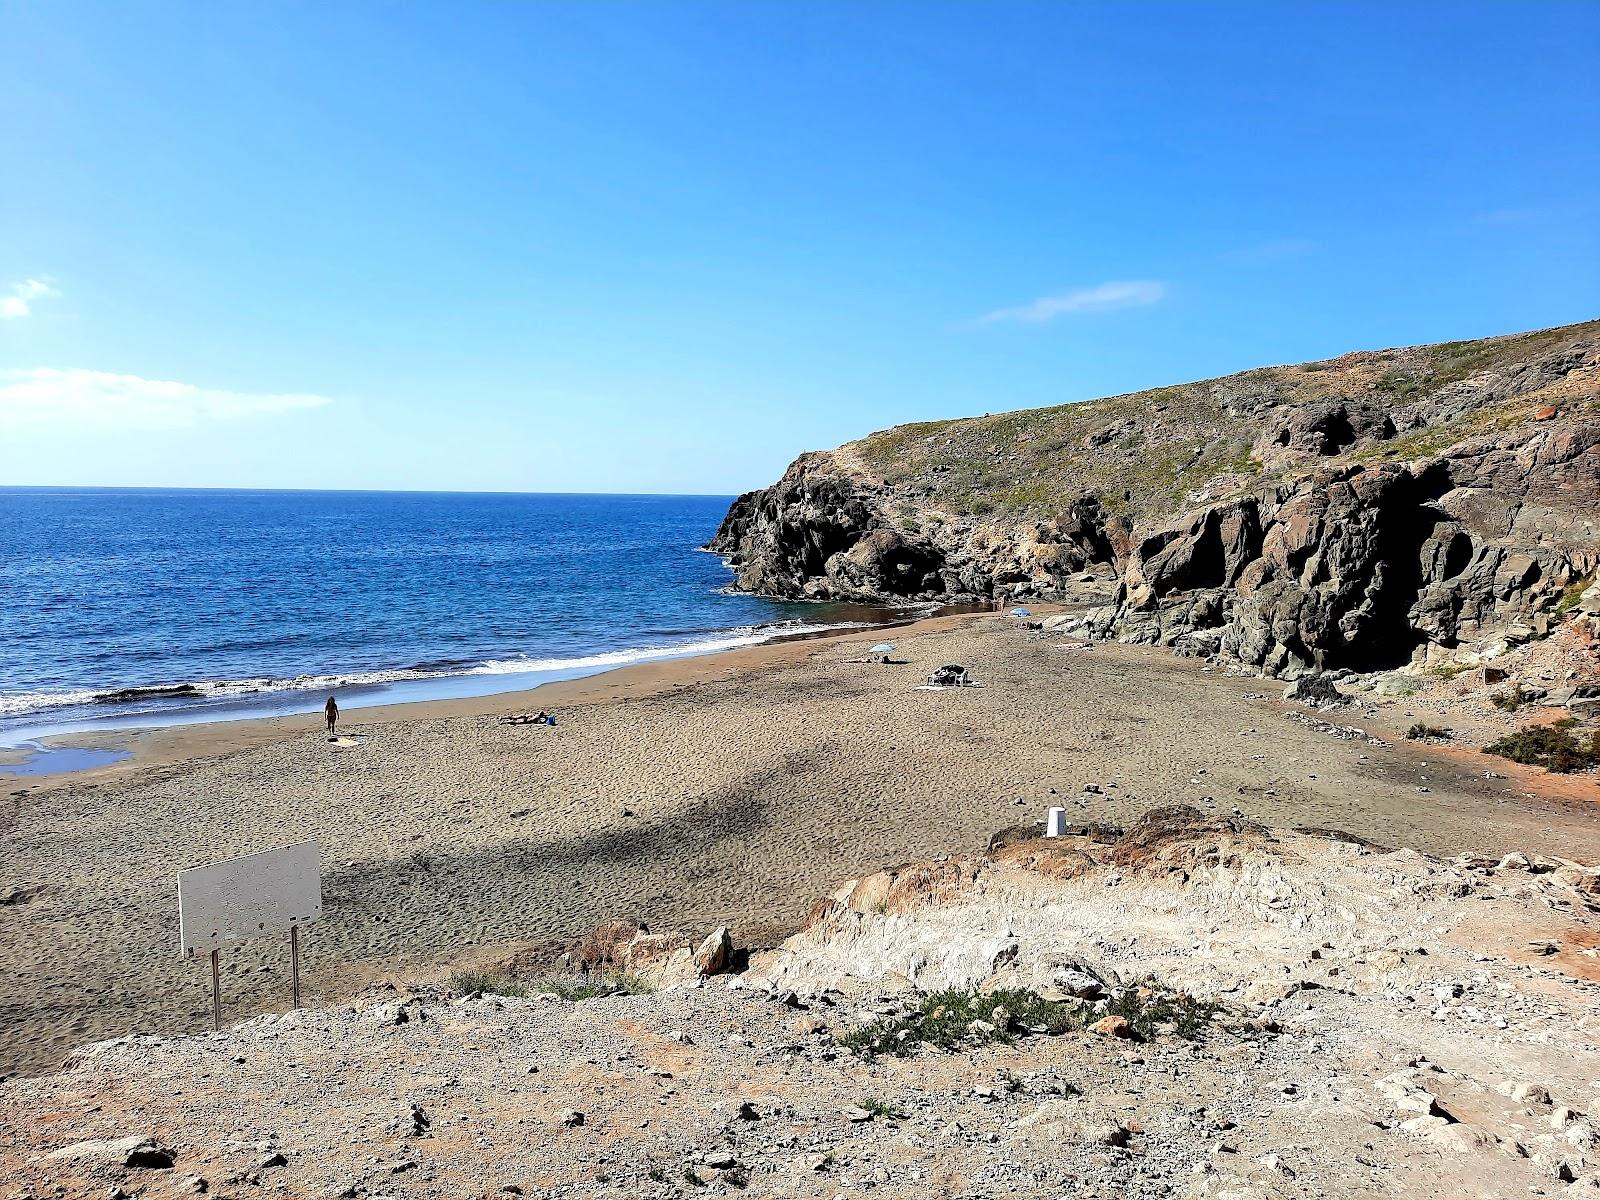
[{"x": 881, "y": 648}]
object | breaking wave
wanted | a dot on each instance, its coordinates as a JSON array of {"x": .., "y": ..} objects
[{"x": 182, "y": 693}]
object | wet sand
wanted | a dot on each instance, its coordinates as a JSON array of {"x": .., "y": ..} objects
[{"x": 752, "y": 781}]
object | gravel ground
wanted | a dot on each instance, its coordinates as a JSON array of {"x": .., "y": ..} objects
[{"x": 1445, "y": 1046}]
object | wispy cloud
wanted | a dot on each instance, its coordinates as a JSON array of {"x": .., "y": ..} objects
[
  {"x": 94, "y": 401},
  {"x": 19, "y": 297},
  {"x": 1127, "y": 293}
]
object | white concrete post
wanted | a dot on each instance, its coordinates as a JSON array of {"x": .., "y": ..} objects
[{"x": 1055, "y": 823}]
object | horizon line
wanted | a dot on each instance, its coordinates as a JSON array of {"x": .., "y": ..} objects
[{"x": 374, "y": 491}]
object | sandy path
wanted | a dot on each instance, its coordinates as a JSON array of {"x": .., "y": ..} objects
[{"x": 755, "y": 787}]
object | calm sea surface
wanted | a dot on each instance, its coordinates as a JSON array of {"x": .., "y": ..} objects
[{"x": 256, "y": 602}]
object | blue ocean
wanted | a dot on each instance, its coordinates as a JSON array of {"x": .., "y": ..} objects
[{"x": 130, "y": 607}]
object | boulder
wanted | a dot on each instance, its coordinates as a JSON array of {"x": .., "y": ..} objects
[
  {"x": 715, "y": 953},
  {"x": 1113, "y": 1026},
  {"x": 1589, "y": 600},
  {"x": 1531, "y": 1093},
  {"x": 1071, "y": 976},
  {"x": 396, "y": 1012},
  {"x": 137, "y": 1151},
  {"x": 1406, "y": 1094},
  {"x": 660, "y": 959},
  {"x": 1316, "y": 691}
]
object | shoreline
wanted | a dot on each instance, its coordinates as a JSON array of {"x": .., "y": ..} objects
[
  {"x": 171, "y": 745},
  {"x": 205, "y": 701}
]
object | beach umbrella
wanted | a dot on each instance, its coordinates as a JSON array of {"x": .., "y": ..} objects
[
  {"x": 881, "y": 648},
  {"x": 1020, "y": 612}
]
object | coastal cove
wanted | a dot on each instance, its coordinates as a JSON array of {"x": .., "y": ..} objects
[
  {"x": 137, "y": 608},
  {"x": 810, "y": 601}
]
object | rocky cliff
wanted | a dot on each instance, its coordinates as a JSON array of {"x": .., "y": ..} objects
[{"x": 1358, "y": 513}]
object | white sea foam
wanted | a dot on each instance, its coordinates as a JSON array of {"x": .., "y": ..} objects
[
  {"x": 15, "y": 703},
  {"x": 22, "y": 703}
]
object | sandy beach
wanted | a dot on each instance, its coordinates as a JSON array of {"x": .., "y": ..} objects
[{"x": 733, "y": 788}]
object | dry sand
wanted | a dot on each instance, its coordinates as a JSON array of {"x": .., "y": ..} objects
[{"x": 756, "y": 780}]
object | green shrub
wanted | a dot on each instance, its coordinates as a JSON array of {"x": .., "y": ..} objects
[
  {"x": 1187, "y": 1017},
  {"x": 577, "y": 986},
  {"x": 1546, "y": 746},
  {"x": 485, "y": 983},
  {"x": 945, "y": 1020},
  {"x": 1574, "y": 593},
  {"x": 1400, "y": 385},
  {"x": 585, "y": 986},
  {"x": 1421, "y": 732}
]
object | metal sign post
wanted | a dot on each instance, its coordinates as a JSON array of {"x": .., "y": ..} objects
[{"x": 244, "y": 897}]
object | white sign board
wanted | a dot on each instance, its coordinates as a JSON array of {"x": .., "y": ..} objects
[{"x": 242, "y": 897}]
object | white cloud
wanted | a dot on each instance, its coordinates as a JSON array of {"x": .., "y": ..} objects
[
  {"x": 19, "y": 298},
  {"x": 1128, "y": 293},
  {"x": 94, "y": 401}
]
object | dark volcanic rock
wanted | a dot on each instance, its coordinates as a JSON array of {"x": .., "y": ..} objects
[
  {"x": 1358, "y": 567},
  {"x": 1316, "y": 691},
  {"x": 818, "y": 534}
]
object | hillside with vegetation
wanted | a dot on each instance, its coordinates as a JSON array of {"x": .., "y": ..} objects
[
  {"x": 1349, "y": 512},
  {"x": 1152, "y": 453}
]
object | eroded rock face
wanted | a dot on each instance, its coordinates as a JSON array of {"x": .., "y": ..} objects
[
  {"x": 1322, "y": 430},
  {"x": 819, "y": 534},
  {"x": 1348, "y": 562},
  {"x": 1363, "y": 567}
]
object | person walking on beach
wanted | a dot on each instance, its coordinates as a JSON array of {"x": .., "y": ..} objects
[{"x": 331, "y": 711}]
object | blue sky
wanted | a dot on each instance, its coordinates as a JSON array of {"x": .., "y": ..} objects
[{"x": 666, "y": 247}]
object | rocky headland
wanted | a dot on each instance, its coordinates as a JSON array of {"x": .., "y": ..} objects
[{"x": 1378, "y": 510}]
